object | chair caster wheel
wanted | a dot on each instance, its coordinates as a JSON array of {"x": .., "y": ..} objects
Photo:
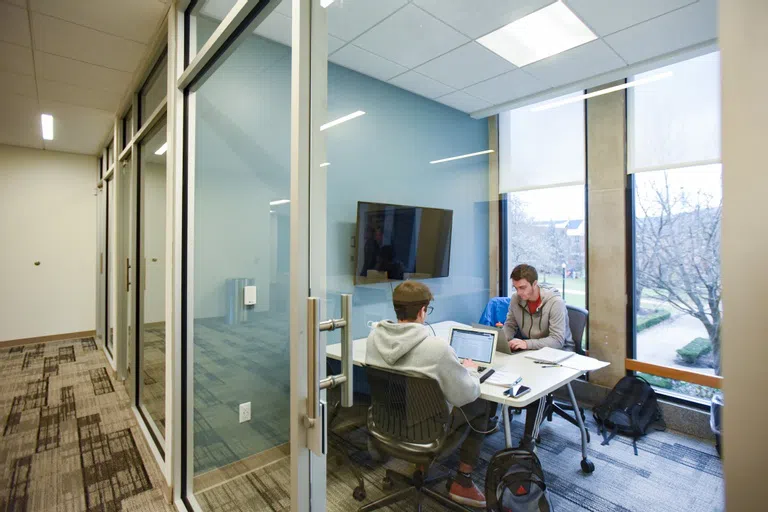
[
  {"x": 587, "y": 466},
  {"x": 387, "y": 484},
  {"x": 359, "y": 493}
]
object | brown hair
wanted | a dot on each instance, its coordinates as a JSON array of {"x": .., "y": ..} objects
[
  {"x": 408, "y": 299},
  {"x": 524, "y": 271}
]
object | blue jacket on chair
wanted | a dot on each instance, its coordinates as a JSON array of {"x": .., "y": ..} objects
[{"x": 496, "y": 311}]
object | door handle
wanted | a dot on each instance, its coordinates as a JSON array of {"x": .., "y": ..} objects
[{"x": 315, "y": 413}]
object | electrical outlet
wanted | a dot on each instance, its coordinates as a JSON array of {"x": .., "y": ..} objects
[{"x": 245, "y": 412}]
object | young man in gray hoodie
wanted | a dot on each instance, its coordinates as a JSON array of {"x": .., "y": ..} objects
[
  {"x": 408, "y": 346},
  {"x": 537, "y": 318}
]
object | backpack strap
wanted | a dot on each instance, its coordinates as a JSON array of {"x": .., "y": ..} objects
[
  {"x": 607, "y": 438},
  {"x": 634, "y": 445}
]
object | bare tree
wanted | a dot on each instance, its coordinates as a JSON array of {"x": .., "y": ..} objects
[{"x": 677, "y": 241}]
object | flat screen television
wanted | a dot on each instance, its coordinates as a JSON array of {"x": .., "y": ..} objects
[{"x": 396, "y": 242}]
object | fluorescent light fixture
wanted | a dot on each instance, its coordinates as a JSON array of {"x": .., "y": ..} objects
[
  {"x": 271, "y": 211},
  {"x": 461, "y": 156},
  {"x": 582, "y": 97},
  {"x": 162, "y": 149},
  {"x": 47, "y": 121},
  {"x": 546, "y": 32},
  {"x": 279, "y": 201},
  {"x": 342, "y": 119},
  {"x": 326, "y": 164},
  {"x": 326, "y": 3}
]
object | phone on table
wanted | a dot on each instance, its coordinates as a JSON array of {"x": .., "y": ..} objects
[{"x": 517, "y": 391}]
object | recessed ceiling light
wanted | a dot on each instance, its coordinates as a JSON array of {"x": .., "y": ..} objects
[
  {"x": 162, "y": 149},
  {"x": 342, "y": 119},
  {"x": 47, "y": 121},
  {"x": 582, "y": 97},
  {"x": 546, "y": 32},
  {"x": 461, "y": 156},
  {"x": 325, "y": 164},
  {"x": 279, "y": 201}
]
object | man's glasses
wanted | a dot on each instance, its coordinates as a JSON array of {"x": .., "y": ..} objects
[{"x": 430, "y": 309}]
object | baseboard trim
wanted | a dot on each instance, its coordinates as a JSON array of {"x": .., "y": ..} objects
[
  {"x": 224, "y": 474},
  {"x": 46, "y": 339}
]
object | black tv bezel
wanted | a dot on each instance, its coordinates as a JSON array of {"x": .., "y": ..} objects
[{"x": 356, "y": 277}]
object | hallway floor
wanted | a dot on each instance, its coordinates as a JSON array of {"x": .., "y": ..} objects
[{"x": 70, "y": 441}]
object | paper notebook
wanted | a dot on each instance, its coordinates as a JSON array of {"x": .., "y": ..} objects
[
  {"x": 549, "y": 355},
  {"x": 501, "y": 378}
]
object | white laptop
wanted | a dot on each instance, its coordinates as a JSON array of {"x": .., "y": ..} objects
[{"x": 479, "y": 345}]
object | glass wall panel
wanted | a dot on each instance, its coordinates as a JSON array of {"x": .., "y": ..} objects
[
  {"x": 241, "y": 251},
  {"x": 154, "y": 90},
  {"x": 152, "y": 218},
  {"x": 128, "y": 130}
]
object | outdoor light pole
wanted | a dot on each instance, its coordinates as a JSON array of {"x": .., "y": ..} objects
[{"x": 563, "y": 281}]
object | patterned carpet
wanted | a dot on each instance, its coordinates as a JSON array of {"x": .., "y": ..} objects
[
  {"x": 70, "y": 441},
  {"x": 672, "y": 472}
]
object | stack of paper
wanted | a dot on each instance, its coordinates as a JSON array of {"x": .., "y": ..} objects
[
  {"x": 500, "y": 378},
  {"x": 549, "y": 355}
]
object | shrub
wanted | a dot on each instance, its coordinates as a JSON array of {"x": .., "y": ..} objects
[
  {"x": 655, "y": 318},
  {"x": 694, "y": 350}
]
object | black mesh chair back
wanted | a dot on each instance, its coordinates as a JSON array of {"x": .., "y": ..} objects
[
  {"x": 407, "y": 409},
  {"x": 577, "y": 320}
]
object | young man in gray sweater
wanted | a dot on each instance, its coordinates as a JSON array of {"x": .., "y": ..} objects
[
  {"x": 537, "y": 318},
  {"x": 409, "y": 346}
]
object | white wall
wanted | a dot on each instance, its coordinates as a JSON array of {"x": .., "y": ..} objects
[
  {"x": 48, "y": 213},
  {"x": 744, "y": 46}
]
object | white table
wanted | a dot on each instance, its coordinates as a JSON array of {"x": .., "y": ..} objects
[{"x": 540, "y": 379}]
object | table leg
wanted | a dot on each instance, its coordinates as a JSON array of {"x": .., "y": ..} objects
[
  {"x": 539, "y": 418},
  {"x": 577, "y": 413},
  {"x": 507, "y": 425}
]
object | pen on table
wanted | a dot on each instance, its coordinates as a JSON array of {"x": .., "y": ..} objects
[
  {"x": 551, "y": 366},
  {"x": 518, "y": 381}
]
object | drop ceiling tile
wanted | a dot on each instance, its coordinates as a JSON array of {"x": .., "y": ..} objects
[
  {"x": 276, "y": 27},
  {"x": 366, "y": 62},
  {"x": 466, "y": 65},
  {"x": 477, "y": 18},
  {"x": 20, "y": 3},
  {"x": 77, "y": 95},
  {"x": 334, "y": 43},
  {"x": 84, "y": 44},
  {"x": 608, "y": 16},
  {"x": 23, "y": 85},
  {"x": 137, "y": 20},
  {"x": 77, "y": 129},
  {"x": 410, "y": 37},
  {"x": 73, "y": 72},
  {"x": 14, "y": 25},
  {"x": 16, "y": 59},
  {"x": 463, "y": 101},
  {"x": 347, "y": 19},
  {"x": 585, "y": 61},
  {"x": 20, "y": 122},
  {"x": 420, "y": 84},
  {"x": 507, "y": 87},
  {"x": 677, "y": 30}
]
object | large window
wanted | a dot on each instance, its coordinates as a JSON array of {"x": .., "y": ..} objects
[
  {"x": 542, "y": 159},
  {"x": 674, "y": 141}
]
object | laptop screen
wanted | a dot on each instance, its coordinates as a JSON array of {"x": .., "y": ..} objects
[{"x": 475, "y": 345}]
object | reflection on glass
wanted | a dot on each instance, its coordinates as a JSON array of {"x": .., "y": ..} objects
[
  {"x": 154, "y": 90},
  {"x": 110, "y": 154},
  {"x": 678, "y": 309},
  {"x": 241, "y": 351},
  {"x": 277, "y": 26},
  {"x": 152, "y": 172},
  {"x": 109, "y": 268}
]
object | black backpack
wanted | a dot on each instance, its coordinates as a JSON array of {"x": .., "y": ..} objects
[
  {"x": 514, "y": 482},
  {"x": 629, "y": 409}
]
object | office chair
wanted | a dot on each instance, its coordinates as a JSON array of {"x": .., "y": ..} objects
[
  {"x": 577, "y": 319},
  {"x": 409, "y": 420}
]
